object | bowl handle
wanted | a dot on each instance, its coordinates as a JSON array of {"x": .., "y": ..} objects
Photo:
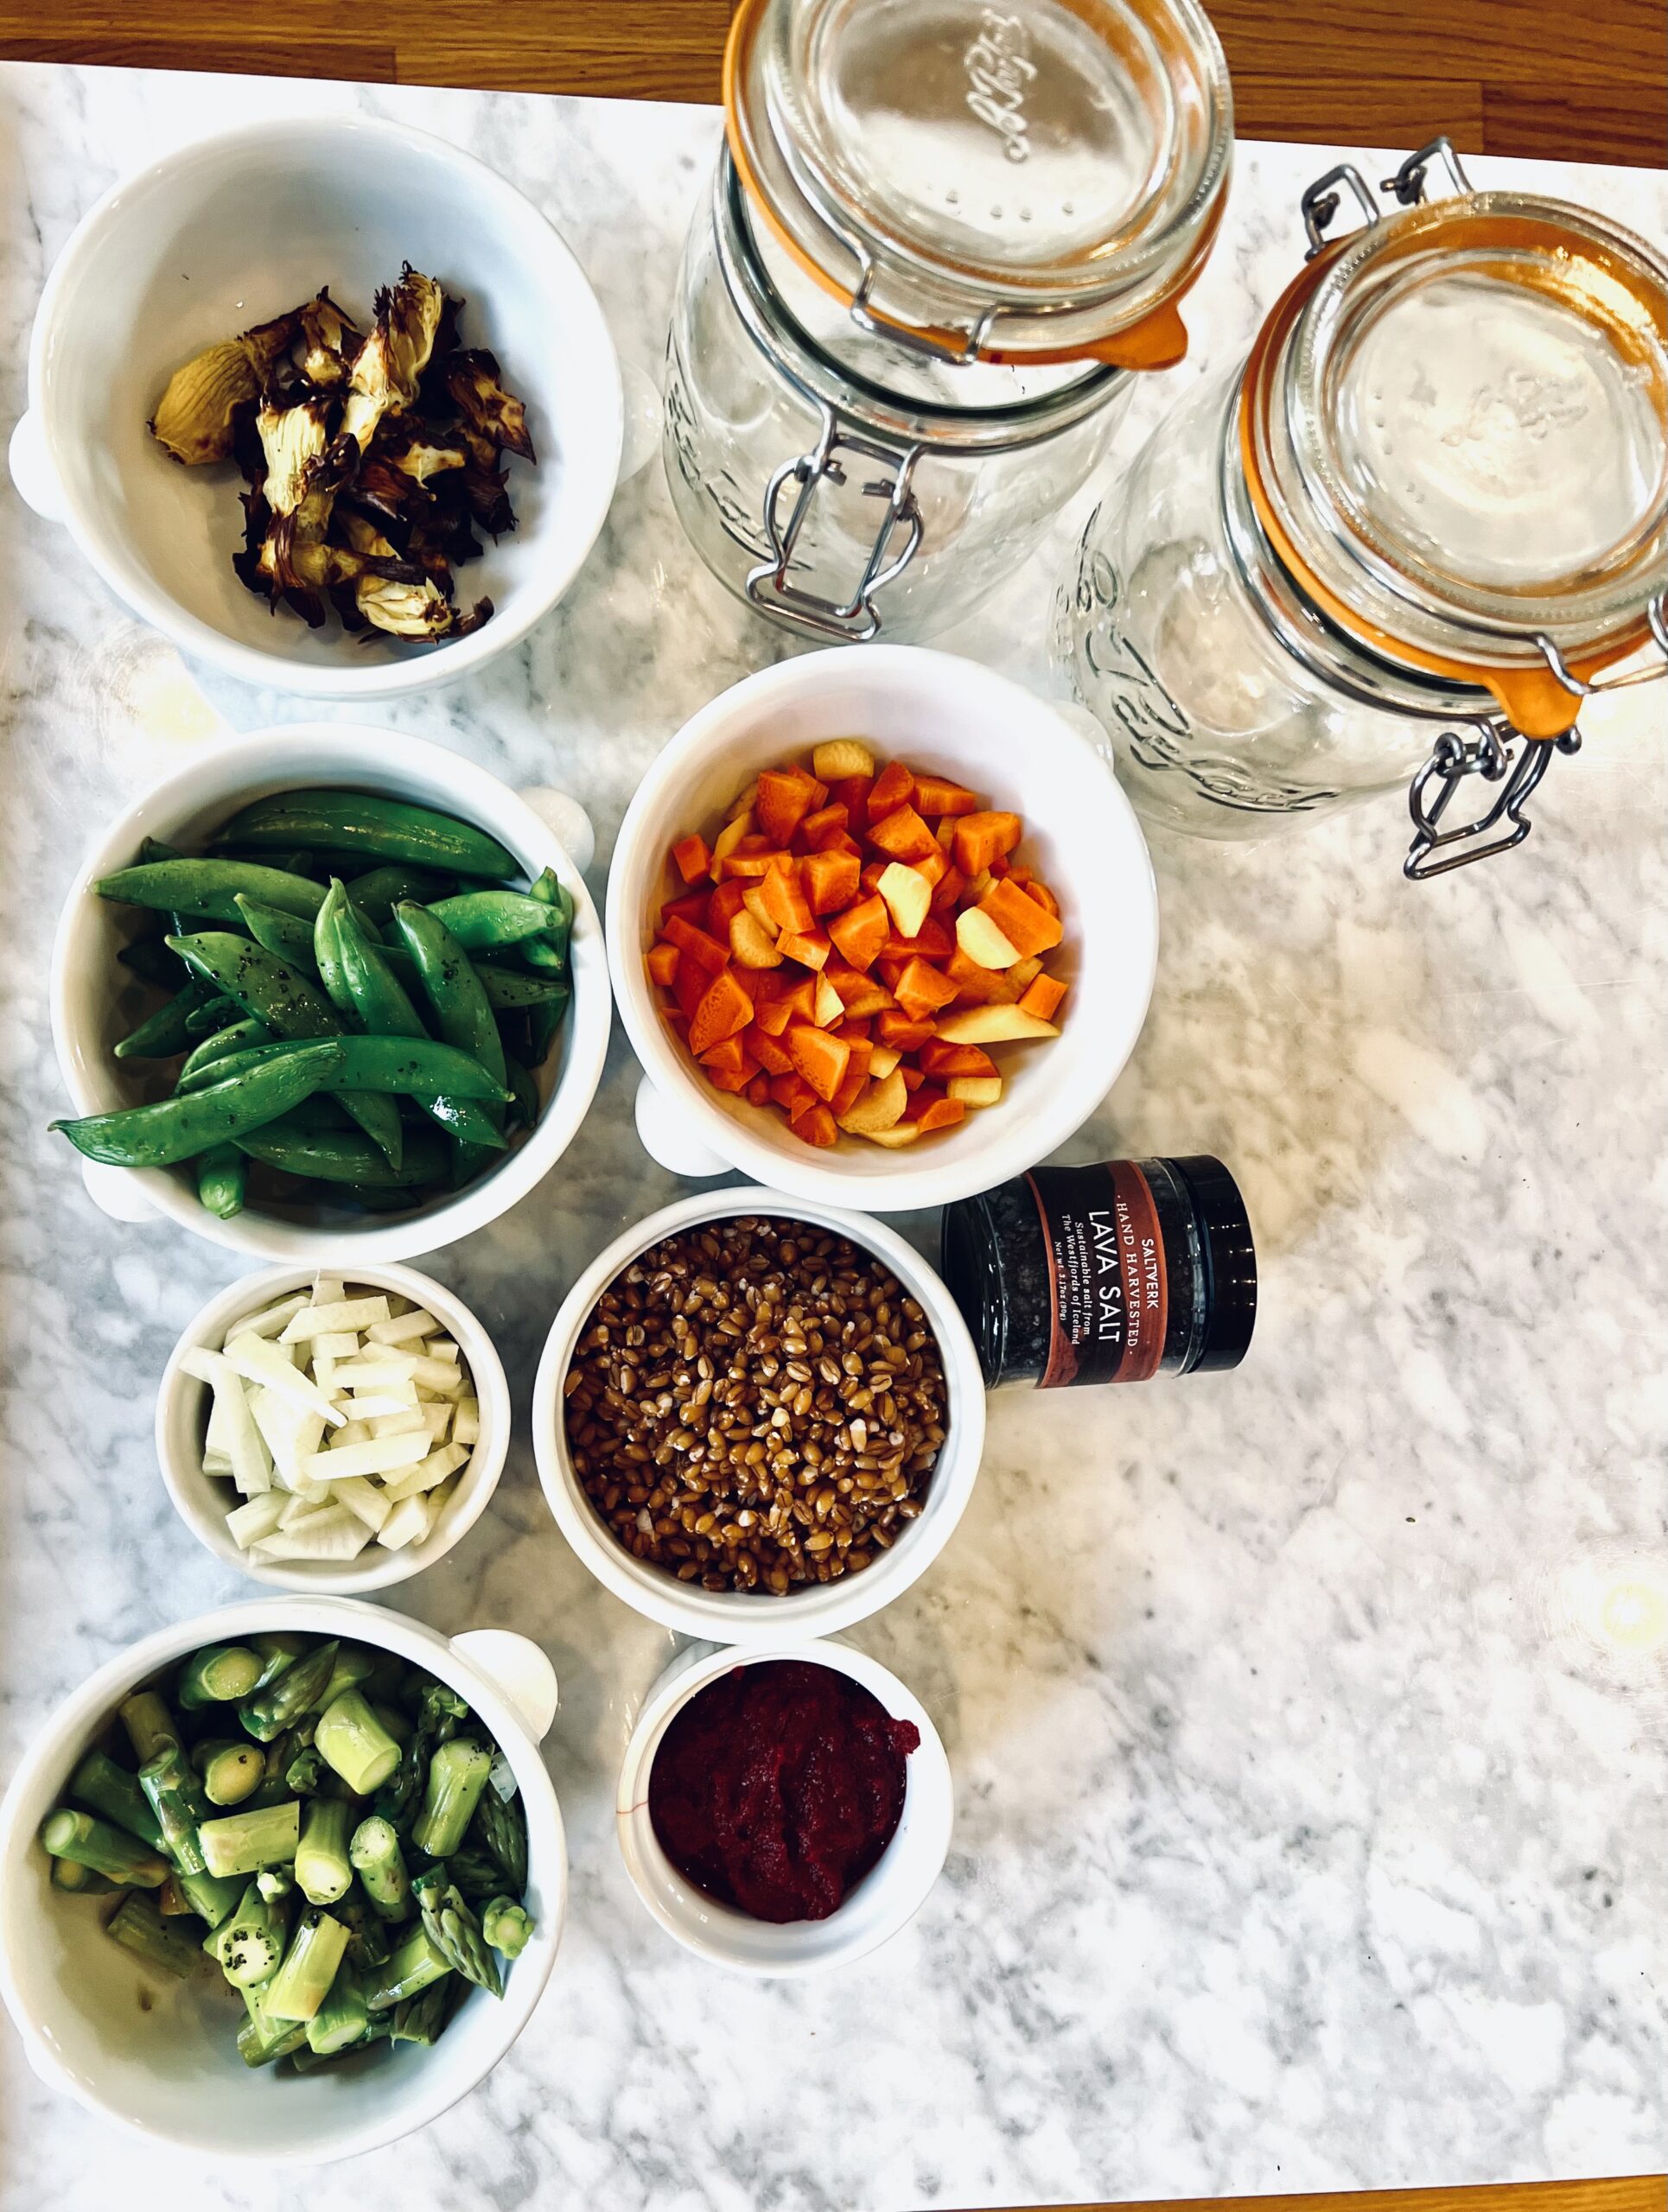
[
  {"x": 668, "y": 1140},
  {"x": 116, "y": 1191},
  {"x": 517, "y": 1669},
  {"x": 566, "y": 820},
  {"x": 643, "y": 412},
  {"x": 33, "y": 478}
]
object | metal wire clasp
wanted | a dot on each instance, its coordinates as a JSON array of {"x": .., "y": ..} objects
[
  {"x": 1436, "y": 849},
  {"x": 1321, "y": 200},
  {"x": 858, "y": 619}
]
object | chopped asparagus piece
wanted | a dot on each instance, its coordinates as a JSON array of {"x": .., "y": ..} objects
[
  {"x": 137, "y": 1926},
  {"x": 102, "y": 1787},
  {"x": 506, "y": 1926},
  {"x": 413, "y": 1967},
  {"x": 267, "y": 1711},
  {"x": 356, "y": 1744},
  {"x": 458, "y": 1774},
  {"x": 380, "y": 1864},
  {"x": 303, "y": 1982},
  {"x": 219, "y": 1674},
  {"x": 244, "y": 1841},
  {"x": 322, "y": 1873},
  {"x": 231, "y": 1772},
  {"x": 343, "y": 2018},
  {"x": 148, "y": 1723},
  {"x": 177, "y": 1800},
  {"x": 106, "y": 1850}
]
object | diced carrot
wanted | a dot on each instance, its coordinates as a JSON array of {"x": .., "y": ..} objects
[
  {"x": 786, "y": 796},
  {"x": 894, "y": 786},
  {"x": 1001, "y": 865},
  {"x": 938, "y": 794},
  {"x": 733, "y": 1079},
  {"x": 1028, "y": 926},
  {"x": 725, "y": 1009},
  {"x": 727, "y": 1056},
  {"x": 861, "y": 994},
  {"x": 820, "y": 830},
  {"x": 921, "y": 989},
  {"x": 811, "y": 948},
  {"x": 977, "y": 985},
  {"x": 852, "y": 793},
  {"x": 934, "y": 866},
  {"x": 849, "y": 1091},
  {"x": 661, "y": 961},
  {"x": 725, "y": 905},
  {"x": 816, "y": 1125},
  {"x": 902, "y": 835},
  {"x": 765, "y": 1049},
  {"x": 690, "y": 986},
  {"x": 705, "y": 951},
  {"x": 933, "y": 941},
  {"x": 870, "y": 878},
  {"x": 1041, "y": 894},
  {"x": 785, "y": 902},
  {"x": 948, "y": 890},
  {"x": 1021, "y": 876},
  {"x": 942, "y": 1114},
  {"x": 913, "y": 1077},
  {"x": 941, "y": 1059},
  {"x": 758, "y": 1092},
  {"x": 791, "y": 1093},
  {"x": 691, "y": 907},
  {"x": 830, "y": 881},
  {"x": 821, "y": 1058},
  {"x": 1041, "y": 996},
  {"x": 982, "y": 839},
  {"x": 845, "y": 842},
  {"x": 862, "y": 931},
  {"x": 691, "y": 856},
  {"x": 753, "y": 859},
  {"x": 861, "y": 1050},
  {"x": 903, "y": 1032}
]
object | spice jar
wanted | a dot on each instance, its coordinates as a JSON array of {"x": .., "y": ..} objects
[
  {"x": 1431, "y": 505},
  {"x": 1111, "y": 1274},
  {"x": 940, "y": 239}
]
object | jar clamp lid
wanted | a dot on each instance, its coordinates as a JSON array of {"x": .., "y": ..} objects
[
  {"x": 1041, "y": 182},
  {"x": 1454, "y": 433}
]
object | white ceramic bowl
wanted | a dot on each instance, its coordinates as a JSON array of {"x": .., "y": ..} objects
[
  {"x": 952, "y": 715},
  {"x": 736, "y": 1617},
  {"x": 202, "y": 1502},
  {"x": 888, "y": 1897},
  {"x": 172, "y": 2072},
  {"x": 86, "y": 986},
  {"x": 234, "y": 230}
]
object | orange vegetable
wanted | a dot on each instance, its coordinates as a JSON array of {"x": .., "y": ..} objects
[
  {"x": 933, "y": 941},
  {"x": 943, "y": 1113},
  {"x": 816, "y": 1125},
  {"x": 725, "y": 904},
  {"x": 948, "y": 891},
  {"x": 860, "y": 994},
  {"x": 661, "y": 961},
  {"x": 797, "y": 1005},
  {"x": 725, "y": 1009},
  {"x": 705, "y": 951},
  {"x": 830, "y": 881},
  {"x": 820, "y": 1057},
  {"x": 982, "y": 839},
  {"x": 690, "y": 986},
  {"x": 691, "y": 856},
  {"x": 849, "y": 1091},
  {"x": 725, "y": 1058},
  {"x": 938, "y": 794},
  {"x": 691, "y": 907},
  {"x": 894, "y": 786},
  {"x": 785, "y": 796},
  {"x": 1028, "y": 926},
  {"x": 941, "y": 1059},
  {"x": 921, "y": 989},
  {"x": 1041, "y": 894},
  {"x": 758, "y": 1092},
  {"x": 791, "y": 1093},
  {"x": 822, "y": 829},
  {"x": 785, "y": 902},
  {"x": 862, "y": 931},
  {"x": 765, "y": 1048},
  {"x": 902, "y": 835},
  {"x": 1041, "y": 996},
  {"x": 852, "y": 793},
  {"x": 903, "y": 1032},
  {"x": 811, "y": 948}
]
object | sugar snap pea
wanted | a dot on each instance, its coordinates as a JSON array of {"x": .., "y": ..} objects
[
  {"x": 287, "y": 935},
  {"x": 549, "y": 952},
  {"x": 524, "y": 1110},
  {"x": 179, "y": 1129},
  {"x": 381, "y": 828},
  {"x": 211, "y": 887},
  {"x": 412, "y": 1066},
  {"x": 164, "y": 1033},
  {"x": 469, "y": 1121},
  {"x": 345, "y": 1156},
  {"x": 222, "y": 1173},
  {"x": 512, "y": 993},
  {"x": 483, "y": 920},
  {"x": 379, "y": 892},
  {"x": 327, "y": 950},
  {"x": 379, "y": 998},
  {"x": 238, "y": 1037},
  {"x": 217, "y": 1013},
  {"x": 150, "y": 958},
  {"x": 462, "y": 1011}
]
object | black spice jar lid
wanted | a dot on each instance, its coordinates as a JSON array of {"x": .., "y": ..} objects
[{"x": 1229, "y": 1259}]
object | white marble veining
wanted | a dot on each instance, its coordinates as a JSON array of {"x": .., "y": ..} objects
[{"x": 1310, "y": 1747}]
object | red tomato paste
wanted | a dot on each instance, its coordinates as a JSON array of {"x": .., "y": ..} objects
[{"x": 778, "y": 1788}]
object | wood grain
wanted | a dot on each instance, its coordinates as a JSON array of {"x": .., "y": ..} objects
[
  {"x": 1648, "y": 2193},
  {"x": 1586, "y": 82}
]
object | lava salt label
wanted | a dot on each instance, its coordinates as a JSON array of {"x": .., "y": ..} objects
[{"x": 1109, "y": 1296}]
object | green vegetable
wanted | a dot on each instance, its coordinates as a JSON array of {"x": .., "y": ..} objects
[
  {"x": 81, "y": 1881},
  {"x": 379, "y": 998},
  {"x": 454, "y": 991},
  {"x": 363, "y": 823},
  {"x": 482, "y": 921},
  {"x": 274, "y": 1881},
  {"x": 453, "y": 1930},
  {"x": 304, "y": 1773},
  {"x": 345, "y": 1157},
  {"x": 508, "y": 993},
  {"x": 262, "y": 2039},
  {"x": 207, "y": 1020},
  {"x": 380, "y": 1864},
  {"x": 476, "y": 1872},
  {"x": 458, "y": 1774},
  {"x": 219, "y": 1674},
  {"x": 342, "y": 2019},
  {"x": 271, "y": 1708},
  {"x": 211, "y": 888},
  {"x": 524, "y": 1110},
  {"x": 303, "y": 1982},
  {"x": 244, "y": 1841},
  {"x": 417, "y": 1067},
  {"x": 323, "y": 1873},
  {"x": 506, "y": 1926},
  {"x": 151, "y": 959},
  {"x": 367, "y": 1939},
  {"x": 138, "y": 1927},
  {"x": 222, "y": 1180},
  {"x": 237, "y": 1037},
  {"x": 106, "y": 1850},
  {"x": 289, "y": 936},
  {"x": 414, "y": 1966},
  {"x": 356, "y": 1744},
  {"x": 102, "y": 1787},
  {"x": 177, "y": 1800},
  {"x": 164, "y": 1033},
  {"x": 376, "y": 895},
  {"x": 232, "y": 1773},
  {"x": 148, "y": 1723},
  {"x": 420, "y": 2019},
  {"x": 179, "y": 1129},
  {"x": 500, "y": 1827}
]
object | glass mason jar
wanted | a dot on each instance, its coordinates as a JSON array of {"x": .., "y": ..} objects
[
  {"x": 1403, "y": 539},
  {"x": 940, "y": 239}
]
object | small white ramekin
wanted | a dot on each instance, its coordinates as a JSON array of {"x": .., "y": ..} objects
[
  {"x": 87, "y": 980},
  {"x": 170, "y": 2071},
  {"x": 216, "y": 236},
  {"x": 888, "y": 1897},
  {"x": 203, "y": 1501},
  {"x": 736, "y": 1617},
  {"x": 950, "y": 715}
]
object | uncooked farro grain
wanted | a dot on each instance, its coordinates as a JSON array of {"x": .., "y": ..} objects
[{"x": 755, "y": 1404}]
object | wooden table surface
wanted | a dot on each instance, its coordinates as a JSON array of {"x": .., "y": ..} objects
[
  {"x": 1545, "y": 78},
  {"x": 1568, "y": 80}
]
